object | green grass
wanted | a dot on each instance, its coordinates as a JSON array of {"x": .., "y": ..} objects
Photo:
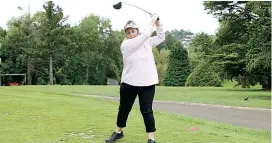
[
  {"x": 44, "y": 117},
  {"x": 208, "y": 95}
]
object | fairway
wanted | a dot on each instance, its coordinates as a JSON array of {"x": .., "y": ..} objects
[
  {"x": 208, "y": 95},
  {"x": 62, "y": 66},
  {"x": 40, "y": 115}
]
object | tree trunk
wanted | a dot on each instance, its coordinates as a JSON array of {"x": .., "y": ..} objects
[
  {"x": 34, "y": 78},
  {"x": 29, "y": 76},
  {"x": 51, "y": 71},
  {"x": 267, "y": 85},
  {"x": 244, "y": 81},
  {"x": 87, "y": 75}
]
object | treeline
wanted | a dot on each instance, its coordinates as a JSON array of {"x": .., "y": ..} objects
[
  {"x": 240, "y": 50},
  {"x": 50, "y": 51}
]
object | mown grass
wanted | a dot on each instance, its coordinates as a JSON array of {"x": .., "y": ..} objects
[
  {"x": 208, "y": 95},
  {"x": 46, "y": 117}
]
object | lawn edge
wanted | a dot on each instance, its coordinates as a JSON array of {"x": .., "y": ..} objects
[{"x": 177, "y": 102}]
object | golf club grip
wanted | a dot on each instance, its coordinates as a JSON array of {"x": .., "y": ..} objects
[{"x": 151, "y": 15}]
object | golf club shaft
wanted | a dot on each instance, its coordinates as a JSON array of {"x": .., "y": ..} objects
[{"x": 138, "y": 8}]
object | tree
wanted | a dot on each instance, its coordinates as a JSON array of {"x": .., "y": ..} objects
[
  {"x": 53, "y": 35},
  {"x": 97, "y": 51},
  {"x": 160, "y": 64},
  {"x": 19, "y": 46},
  {"x": 179, "y": 68},
  {"x": 3, "y": 34},
  {"x": 242, "y": 24},
  {"x": 258, "y": 56},
  {"x": 51, "y": 51},
  {"x": 2, "y": 37},
  {"x": 169, "y": 41},
  {"x": 200, "y": 48}
]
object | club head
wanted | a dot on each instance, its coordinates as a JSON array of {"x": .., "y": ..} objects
[{"x": 117, "y": 6}]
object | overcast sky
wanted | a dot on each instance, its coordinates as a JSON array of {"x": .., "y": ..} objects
[{"x": 174, "y": 14}]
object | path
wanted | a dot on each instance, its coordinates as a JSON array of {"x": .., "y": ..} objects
[{"x": 255, "y": 118}]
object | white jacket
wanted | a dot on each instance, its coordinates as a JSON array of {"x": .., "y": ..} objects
[{"x": 138, "y": 60}]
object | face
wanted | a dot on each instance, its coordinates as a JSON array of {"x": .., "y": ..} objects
[{"x": 131, "y": 33}]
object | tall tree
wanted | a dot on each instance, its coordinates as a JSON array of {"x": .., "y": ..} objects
[
  {"x": 2, "y": 37},
  {"x": 53, "y": 35},
  {"x": 200, "y": 48},
  {"x": 258, "y": 56},
  {"x": 179, "y": 67},
  {"x": 19, "y": 46},
  {"x": 241, "y": 22},
  {"x": 94, "y": 53}
]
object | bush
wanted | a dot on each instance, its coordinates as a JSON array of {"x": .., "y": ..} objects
[{"x": 204, "y": 75}]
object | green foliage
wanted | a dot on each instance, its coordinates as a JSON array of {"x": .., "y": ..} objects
[
  {"x": 179, "y": 68},
  {"x": 169, "y": 40},
  {"x": 202, "y": 43},
  {"x": 226, "y": 9},
  {"x": 259, "y": 44},
  {"x": 53, "y": 33},
  {"x": 19, "y": 46},
  {"x": 50, "y": 51},
  {"x": 200, "y": 48},
  {"x": 161, "y": 63},
  {"x": 243, "y": 39},
  {"x": 258, "y": 56},
  {"x": 230, "y": 58},
  {"x": 2, "y": 36},
  {"x": 204, "y": 75}
]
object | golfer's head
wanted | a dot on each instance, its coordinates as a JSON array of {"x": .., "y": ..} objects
[{"x": 131, "y": 29}]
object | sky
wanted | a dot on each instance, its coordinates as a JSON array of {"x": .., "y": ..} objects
[{"x": 174, "y": 14}]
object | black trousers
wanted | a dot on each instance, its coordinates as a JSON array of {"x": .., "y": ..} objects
[{"x": 128, "y": 95}]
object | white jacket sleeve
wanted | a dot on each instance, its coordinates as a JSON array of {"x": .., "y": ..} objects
[
  {"x": 159, "y": 38},
  {"x": 129, "y": 46}
]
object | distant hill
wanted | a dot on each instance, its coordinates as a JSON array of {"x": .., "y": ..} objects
[{"x": 184, "y": 36}]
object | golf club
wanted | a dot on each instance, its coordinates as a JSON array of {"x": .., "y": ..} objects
[{"x": 119, "y": 6}]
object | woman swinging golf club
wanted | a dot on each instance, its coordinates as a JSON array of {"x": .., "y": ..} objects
[{"x": 139, "y": 75}]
